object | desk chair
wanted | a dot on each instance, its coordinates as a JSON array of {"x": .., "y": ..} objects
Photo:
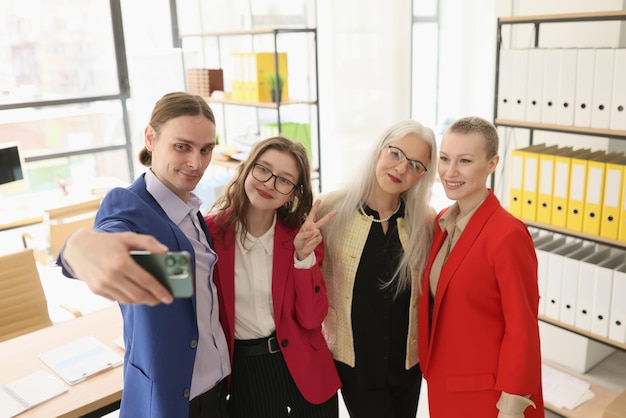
[
  {"x": 66, "y": 219},
  {"x": 23, "y": 306}
]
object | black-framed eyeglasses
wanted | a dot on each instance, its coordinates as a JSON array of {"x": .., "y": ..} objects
[
  {"x": 281, "y": 184},
  {"x": 396, "y": 154}
]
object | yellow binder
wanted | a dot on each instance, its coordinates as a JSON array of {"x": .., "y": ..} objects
[
  {"x": 531, "y": 181},
  {"x": 621, "y": 235},
  {"x": 594, "y": 192},
  {"x": 613, "y": 194},
  {"x": 577, "y": 187},
  {"x": 560, "y": 187},
  {"x": 237, "y": 85},
  {"x": 517, "y": 178},
  {"x": 260, "y": 66},
  {"x": 546, "y": 182}
]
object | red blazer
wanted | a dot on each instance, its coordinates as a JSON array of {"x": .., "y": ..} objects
[
  {"x": 300, "y": 306},
  {"x": 483, "y": 337}
]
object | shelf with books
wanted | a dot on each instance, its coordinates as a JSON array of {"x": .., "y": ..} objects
[
  {"x": 577, "y": 234},
  {"x": 536, "y": 93},
  {"x": 249, "y": 61},
  {"x": 618, "y": 134},
  {"x": 268, "y": 105},
  {"x": 588, "y": 334}
]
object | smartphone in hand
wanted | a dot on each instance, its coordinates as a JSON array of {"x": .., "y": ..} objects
[{"x": 173, "y": 269}]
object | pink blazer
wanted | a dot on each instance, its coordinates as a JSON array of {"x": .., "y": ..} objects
[
  {"x": 483, "y": 338},
  {"x": 300, "y": 306}
]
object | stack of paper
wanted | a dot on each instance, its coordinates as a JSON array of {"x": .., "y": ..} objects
[
  {"x": 82, "y": 358},
  {"x": 563, "y": 390},
  {"x": 27, "y": 392}
]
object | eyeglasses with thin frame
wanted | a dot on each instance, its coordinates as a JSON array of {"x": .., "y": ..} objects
[
  {"x": 396, "y": 154},
  {"x": 281, "y": 184}
]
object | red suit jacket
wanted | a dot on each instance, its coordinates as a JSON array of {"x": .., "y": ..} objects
[
  {"x": 483, "y": 337},
  {"x": 300, "y": 306}
]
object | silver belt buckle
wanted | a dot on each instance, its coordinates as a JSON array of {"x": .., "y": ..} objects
[{"x": 269, "y": 345}]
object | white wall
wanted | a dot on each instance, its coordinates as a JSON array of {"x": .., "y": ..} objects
[
  {"x": 365, "y": 74},
  {"x": 467, "y": 58},
  {"x": 154, "y": 67}
]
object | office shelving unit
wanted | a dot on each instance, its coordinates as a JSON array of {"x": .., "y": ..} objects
[
  {"x": 311, "y": 101},
  {"x": 603, "y": 395}
]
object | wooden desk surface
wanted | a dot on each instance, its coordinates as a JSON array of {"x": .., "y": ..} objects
[
  {"x": 11, "y": 222},
  {"x": 19, "y": 357}
]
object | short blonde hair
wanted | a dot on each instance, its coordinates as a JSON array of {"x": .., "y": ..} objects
[{"x": 474, "y": 124}]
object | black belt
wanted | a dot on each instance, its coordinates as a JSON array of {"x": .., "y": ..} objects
[{"x": 258, "y": 347}]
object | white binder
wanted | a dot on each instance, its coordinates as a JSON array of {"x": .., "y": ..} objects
[
  {"x": 550, "y": 95},
  {"x": 505, "y": 85},
  {"x": 555, "y": 277},
  {"x": 534, "y": 83},
  {"x": 617, "y": 317},
  {"x": 602, "y": 289},
  {"x": 586, "y": 283},
  {"x": 618, "y": 101},
  {"x": 585, "y": 66},
  {"x": 520, "y": 72},
  {"x": 569, "y": 284},
  {"x": 567, "y": 86},
  {"x": 543, "y": 252},
  {"x": 603, "y": 88},
  {"x": 540, "y": 239}
]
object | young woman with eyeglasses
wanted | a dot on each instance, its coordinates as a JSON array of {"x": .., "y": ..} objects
[
  {"x": 376, "y": 248},
  {"x": 272, "y": 294}
]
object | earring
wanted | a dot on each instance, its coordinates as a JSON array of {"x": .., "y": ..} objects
[{"x": 287, "y": 204}]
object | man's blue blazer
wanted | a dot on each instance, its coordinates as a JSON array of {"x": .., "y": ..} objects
[{"x": 160, "y": 341}]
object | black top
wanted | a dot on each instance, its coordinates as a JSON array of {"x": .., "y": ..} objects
[{"x": 379, "y": 320}]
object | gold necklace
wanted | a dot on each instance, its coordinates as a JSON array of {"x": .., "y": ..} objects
[{"x": 371, "y": 217}]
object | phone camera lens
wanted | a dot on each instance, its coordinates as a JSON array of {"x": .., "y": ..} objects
[{"x": 170, "y": 261}]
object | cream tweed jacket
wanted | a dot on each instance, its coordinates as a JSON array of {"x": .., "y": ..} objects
[{"x": 340, "y": 283}]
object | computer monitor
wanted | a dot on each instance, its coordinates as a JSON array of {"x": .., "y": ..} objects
[{"x": 12, "y": 173}]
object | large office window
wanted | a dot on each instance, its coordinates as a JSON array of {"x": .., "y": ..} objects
[
  {"x": 425, "y": 63},
  {"x": 64, "y": 90}
]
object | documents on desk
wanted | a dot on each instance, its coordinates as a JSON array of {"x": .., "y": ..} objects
[
  {"x": 563, "y": 390},
  {"x": 20, "y": 356},
  {"x": 80, "y": 359},
  {"x": 29, "y": 391}
]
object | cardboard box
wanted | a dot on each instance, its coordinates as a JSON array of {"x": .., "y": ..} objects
[
  {"x": 203, "y": 81},
  {"x": 617, "y": 407},
  {"x": 570, "y": 350}
]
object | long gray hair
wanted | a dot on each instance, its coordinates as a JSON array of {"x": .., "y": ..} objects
[{"x": 417, "y": 213}]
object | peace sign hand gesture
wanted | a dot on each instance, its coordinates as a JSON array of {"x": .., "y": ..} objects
[{"x": 310, "y": 236}]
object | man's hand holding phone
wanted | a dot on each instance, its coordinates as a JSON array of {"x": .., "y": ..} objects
[
  {"x": 174, "y": 270},
  {"x": 109, "y": 270}
]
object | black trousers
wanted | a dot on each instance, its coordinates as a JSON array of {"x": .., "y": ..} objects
[
  {"x": 396, "y": 399},
  {"x": 211, "y": 404},
  {"x": 262, "y": 387}
]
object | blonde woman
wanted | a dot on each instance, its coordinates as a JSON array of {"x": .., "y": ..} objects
[{"x": 479, "y": 335}]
